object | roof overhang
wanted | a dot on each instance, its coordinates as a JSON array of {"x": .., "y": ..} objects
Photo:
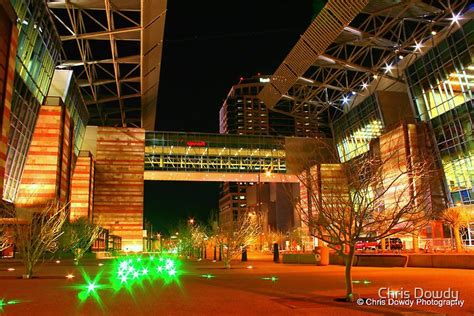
[
  {"x": 355, "y": 47},
  {"x": 114, "y": 48}
]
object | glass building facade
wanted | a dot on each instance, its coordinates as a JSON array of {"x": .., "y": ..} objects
[
  {"x": 441, "y": 84},
  {"x": 37, "y": 54},
  {"x": 355, "y": 129},
  {"x": 79, "y": 114}
]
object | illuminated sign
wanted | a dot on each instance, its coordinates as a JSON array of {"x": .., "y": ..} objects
[
  {"x": 196, "y": 143},
  {"x": 264, "y": 79}
]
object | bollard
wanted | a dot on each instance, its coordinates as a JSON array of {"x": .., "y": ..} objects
[
  {"x": 244, "y": 254},
  {"x": 276, "y": 253}
]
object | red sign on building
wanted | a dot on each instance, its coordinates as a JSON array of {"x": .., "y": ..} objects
[{"x": 196, "y": 143}]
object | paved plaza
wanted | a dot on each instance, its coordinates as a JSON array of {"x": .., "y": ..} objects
[{"x": 205, "y": 288}]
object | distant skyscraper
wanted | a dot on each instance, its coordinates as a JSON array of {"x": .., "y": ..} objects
[{"x": 244, "y": 114}]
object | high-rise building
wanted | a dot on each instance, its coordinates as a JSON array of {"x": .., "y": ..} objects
[{"x": 242, "y": 113}]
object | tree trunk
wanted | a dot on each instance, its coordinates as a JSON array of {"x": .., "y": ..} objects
[
  {"x": 29, "y": 270},
  {"x": 415, "y": 242},
  {"x": 348, "y": 274},
  {"x": 457, "y": 238},
  {"x": 227, "y": 258}
]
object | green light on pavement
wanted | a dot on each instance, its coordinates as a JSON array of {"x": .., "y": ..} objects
[
  {"x": 272, "y": 278},
  {"x": 361, "y": 281}
]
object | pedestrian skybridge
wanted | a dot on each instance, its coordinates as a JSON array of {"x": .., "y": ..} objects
[{"x": 218, "y": 157}]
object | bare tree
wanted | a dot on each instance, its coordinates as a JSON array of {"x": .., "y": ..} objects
[
  {"x": 243, "y": 232},
  {"x": 382, "y": 192},
  {"x": 273, "y": 237},
  {"x": 79, "y": 236},
  {"x": 36, "y": 231},
  {"x": 6, "y": 236},
  {"x": 192, "y": 237},
  {"x": 198, "y": 237},
  {"x": 458, "y": 217}
]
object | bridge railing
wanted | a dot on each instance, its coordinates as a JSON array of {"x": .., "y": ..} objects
[{"x": 214, "y": 153}]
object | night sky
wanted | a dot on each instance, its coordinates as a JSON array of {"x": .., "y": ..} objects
[{"x": 208, "y": 46}]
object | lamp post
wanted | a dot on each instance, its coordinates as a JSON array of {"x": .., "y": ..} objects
[
  {"x": 160, "y": 245},
  {"x": 258, "y": 194}
]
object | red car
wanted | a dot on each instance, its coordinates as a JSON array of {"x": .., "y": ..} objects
[
  {"x": 366, "y": 243},
  {"x": 392, "y": 243}
]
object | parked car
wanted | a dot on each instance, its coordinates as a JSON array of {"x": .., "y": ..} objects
[
  {"x": 395, "y": 243},
  {"x": 366, "y": 243}
]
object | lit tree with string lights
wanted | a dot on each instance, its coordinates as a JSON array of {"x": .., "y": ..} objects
[
  {"x": 458, "y": 218},
  {"x": 6, "y": 236},
  {"x": 243, "y": 232}
]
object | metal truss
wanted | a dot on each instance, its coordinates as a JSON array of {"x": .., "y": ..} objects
[
  {"x": 190, "y": 163},
  {"x": 351, "y": 47},
  {"x": 115, "y": 59}
]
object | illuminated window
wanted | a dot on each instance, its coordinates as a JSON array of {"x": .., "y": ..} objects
[
  {"x": 355, "y": 130},
  {"x": 441, "y": 84}
]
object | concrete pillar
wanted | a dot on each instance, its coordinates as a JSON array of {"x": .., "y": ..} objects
[
  {"x": 415, "y": 242},
  {"x": 119, "y": 184},
  {"x": 82, "y": 187}
]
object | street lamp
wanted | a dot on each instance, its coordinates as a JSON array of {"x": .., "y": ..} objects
[
  {"x": 158, "y": 236},
  {"x": 191, "y": 221},
  {"x": 268, "y": 173}
]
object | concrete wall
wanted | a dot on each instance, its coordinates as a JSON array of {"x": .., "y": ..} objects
[
  {"x": 395, "y": 107},
  {"x": 298, "y": 258},
  {"x": 442, "y": 261},
  {"x": 451, "y": 261},
  {"x": 119, "y": 184},
  {"x": 47, "y": 172}
]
